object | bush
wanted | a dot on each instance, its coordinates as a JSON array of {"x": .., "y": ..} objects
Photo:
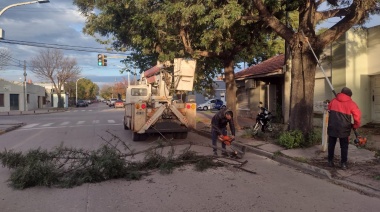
[
  {"x": 315, "y": 137},
  {"x": 291, "y": 139}
]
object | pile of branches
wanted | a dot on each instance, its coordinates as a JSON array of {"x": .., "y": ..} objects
[{"x": 68, "y": 167}]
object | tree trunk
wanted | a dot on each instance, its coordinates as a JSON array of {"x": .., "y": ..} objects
[
  {"x": 302, "y": 89},
  {"x": 231, "y": 88},
  {"x": 60, "y": 100}
]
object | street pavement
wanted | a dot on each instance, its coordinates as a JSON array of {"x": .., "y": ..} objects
[{"x": 309, "y": 160}]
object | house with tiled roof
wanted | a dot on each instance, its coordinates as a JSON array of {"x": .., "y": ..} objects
[
  {"x": 351, "y": 61},
  {"x": 263, "y": 82}
]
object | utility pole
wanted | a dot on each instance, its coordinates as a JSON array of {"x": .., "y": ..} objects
[{"x": 25, "y": 90}]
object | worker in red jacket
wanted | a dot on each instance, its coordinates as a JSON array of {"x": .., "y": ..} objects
[{"x": 341, "y": 109}]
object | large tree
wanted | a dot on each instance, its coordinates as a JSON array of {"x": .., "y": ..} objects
[
  {"x": 52, "y": 65},
  {"x": 87, "y": 89},
  {"x": 350, "y": 12},
  {"x": 213, "y": 32}
]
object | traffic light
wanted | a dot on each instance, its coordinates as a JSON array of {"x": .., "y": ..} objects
[
  {"x": 100, "y": 60},
  {"x": 104, "y": 60}
]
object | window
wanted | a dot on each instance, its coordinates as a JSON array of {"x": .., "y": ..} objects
[
  {"x": 1, "y": 100},
  {"x": 139, "y": 92},
  {"x": 27, "y": 98}
]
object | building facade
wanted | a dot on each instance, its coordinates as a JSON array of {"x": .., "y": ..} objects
[
  {"x": 352, "y": 61},
  {"x": 14, "y": 97}
]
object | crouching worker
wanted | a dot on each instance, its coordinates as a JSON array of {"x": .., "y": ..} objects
[{"x": 219, "y": 127}]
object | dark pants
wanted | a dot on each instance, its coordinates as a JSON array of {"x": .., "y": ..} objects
[
  {"x": 214, "y": 137},
  {"x": 343, "y": 148}
]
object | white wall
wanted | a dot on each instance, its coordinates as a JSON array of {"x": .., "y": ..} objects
[
  {"x": 357, "y": 78},
  {"x": 34, "y": 92}
]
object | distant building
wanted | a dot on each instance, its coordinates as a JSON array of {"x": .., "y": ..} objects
[
  {"x": 218, "y": 93},
  {"x": 12, "y": 96},
  {"x": 52, "y": 97}
]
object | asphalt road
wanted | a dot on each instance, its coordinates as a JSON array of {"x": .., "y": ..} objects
[{"x": 274, "y": 187}]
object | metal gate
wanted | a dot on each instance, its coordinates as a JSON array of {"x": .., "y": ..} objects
[
  {"x": 14, "y": 102},
  {"x": 376, "y": 99}
]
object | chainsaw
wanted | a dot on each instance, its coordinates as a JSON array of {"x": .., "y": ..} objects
[
  {"x": 359, "y": 141},
  {"x": 226, "y": 139}
]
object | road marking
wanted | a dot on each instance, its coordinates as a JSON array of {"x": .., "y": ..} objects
[
  {"x": 90, "y": 110},
  {"x": 47, "y": 125},
  {"x": 95, "y": 122},
  {"x": 80, "y": 122},
  {"x": 65, "y": 123},
  {"x": 75, "y": 126},
  {"x": 83, "y": 110},
  {"x": 30, "y": 126},
  {"x": 111, "y": 121}
]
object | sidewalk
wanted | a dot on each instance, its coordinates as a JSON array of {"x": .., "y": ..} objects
[
  {"x": 32, "y": 112},
  {"x": 363, "y": 164}
]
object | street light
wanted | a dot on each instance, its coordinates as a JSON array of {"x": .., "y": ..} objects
[
  {"x": 2, "y": 33},
  {"x": 76, "y": 90},
  {"x": 23, "y": 3}
]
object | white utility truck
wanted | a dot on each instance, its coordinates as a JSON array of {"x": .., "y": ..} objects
[{"x": 150, "y": 107}]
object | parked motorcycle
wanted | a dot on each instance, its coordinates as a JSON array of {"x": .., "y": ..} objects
[{"x": 263, "y": 120}]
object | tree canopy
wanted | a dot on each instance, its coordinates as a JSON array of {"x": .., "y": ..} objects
[
  {"x": 303, "y": 65},
  {"x": 216, "y": 33}
]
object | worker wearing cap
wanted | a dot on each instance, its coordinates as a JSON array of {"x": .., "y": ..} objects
[
  {"x": 341, "y": 109},
  {"x": 219, "y": 127}
]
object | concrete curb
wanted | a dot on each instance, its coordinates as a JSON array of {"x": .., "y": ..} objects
[
  {"x": 281, "y": 159},
  {"x": 307, "y": 168},
  {"x": 32, "y": 112},
  {"x": 11, "y": 128},
  {"x": 287, "y": 161}
]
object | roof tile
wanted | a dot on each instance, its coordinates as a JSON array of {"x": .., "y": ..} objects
[{"x": 271, "y": 65}]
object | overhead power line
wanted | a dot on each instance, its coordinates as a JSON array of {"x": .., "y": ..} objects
[{"x": 62, "y": 47}]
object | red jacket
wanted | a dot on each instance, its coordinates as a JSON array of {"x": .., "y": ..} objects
[{"x": 341, "y": 108}]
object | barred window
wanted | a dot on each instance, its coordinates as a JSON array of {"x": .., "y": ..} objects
[{"x": 1, "y": 100}]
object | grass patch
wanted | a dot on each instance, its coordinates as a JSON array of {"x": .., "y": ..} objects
[{"x": 301, "y": 159}]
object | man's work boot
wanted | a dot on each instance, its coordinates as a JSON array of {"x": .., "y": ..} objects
[
  {"x": 331, "y": 163},
  {"x": 215, "y": 153},
  {"x": 343, "y": 166},
  {"x": 224, "y": 153}
]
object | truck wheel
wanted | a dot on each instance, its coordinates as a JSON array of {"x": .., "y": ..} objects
[
  {"x": 135, "y": 136},
  {"x": 139, "y": 137},
  {"x": 143, "y": 137},
  {"x": 183, "y": 135},
  {"x": 177, "y": 135},
  {"x": 205, "y": 108},
  {"x": 125, "y": 126}
]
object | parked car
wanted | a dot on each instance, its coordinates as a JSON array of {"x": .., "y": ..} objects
[
  {"x": 112, "y": 102},
  {"x": 119, "y": 104},
  {"x": 219, "y": 104},
  {"x": 81, "y": 103},
  {"x": 210, "y": 104}
]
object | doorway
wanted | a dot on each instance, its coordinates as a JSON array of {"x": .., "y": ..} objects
[
  {"x": 375, "y": 98},
  {"x": 14, "y": 102}
]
